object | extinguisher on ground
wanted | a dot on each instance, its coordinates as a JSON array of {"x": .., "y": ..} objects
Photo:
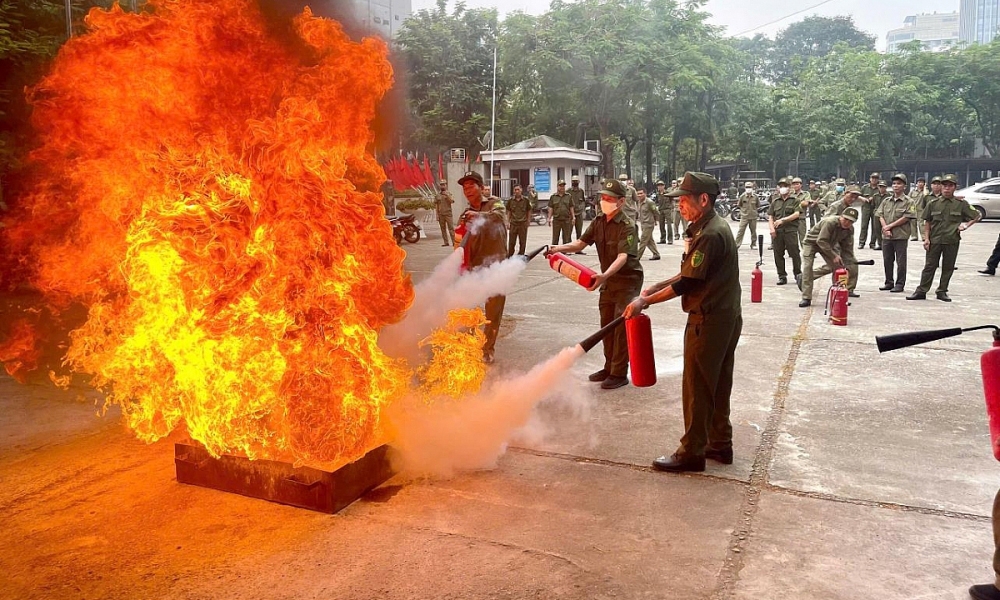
[
  {"x": 639, "y": 336},
  {"x": 836, "y": 298},
  {"x": 757, "y": 276},
  {"x": 989, "y": 364}
]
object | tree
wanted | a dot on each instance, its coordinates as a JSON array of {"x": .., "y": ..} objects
[
  {"x": 975, "y": 79},
  {"x": 813, "y": 37}
]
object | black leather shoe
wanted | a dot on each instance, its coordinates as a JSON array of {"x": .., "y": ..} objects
[
  {"x": 581, "y": 252},
  {"x": 917, "y": 296},
  {"x": 853, "y": 295},
  {"x": 943, "y": 297},
  {"x": 782, "y": 281},
  {"x": 670, "y": 243},
  {"x": 896, "y": 289},
  {"x": 599, "y": 375},
  {"x": 986, "y": 591},
  {"x": 885, "y": 288},
  {"x": 724, "y": 456},
  {"x": 987, "y": 272},
  {"x": 613, "y": 382},
  {"x": 861, "y": 247},
  {"x": 655, "y": 258},
  {"x": 679, "y": 464},
  {"x": 877, "y": 248},
  {"x": 805, "y": 303}
]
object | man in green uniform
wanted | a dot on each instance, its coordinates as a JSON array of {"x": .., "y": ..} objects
[
  {"x": 485, "y": 244},
  {"x": 815, "y": 205},
  {"x": 895, "y": 215},
  {"x": 442, "y": 203},
  {"x": 833, "y": 194},
  {"x": 748, "y": 204},
  {"x": 579, "y": 204},
  {"x": 918, "y": 198},
  {"x": 805, "y": 203},
  {"x": 883, "y": 193},
  {"x": 833, "y": 239},
  {"x": 781, "y": 216},
  {"x": 678, "y": 219},
  {"x": 850, "y": 199},
  {"x": 519, "y": 212},
  {"x": 869, "y": 192},
  {"x": 665, "y": 205},
  {"x": 709, "y": 287},
  {"x": 647, "y": 218},
  {"x": 620, "y": 278},
  {"x": 561, "y": 214},
  {"x": 945, "y": 219}
]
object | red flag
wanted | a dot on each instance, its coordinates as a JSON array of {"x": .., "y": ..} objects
[
  {"x": 428, "y": 178},
  {"x": 415, "y": 175}
]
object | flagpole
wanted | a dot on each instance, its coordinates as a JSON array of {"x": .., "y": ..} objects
[{"x": 493, "y": 124}]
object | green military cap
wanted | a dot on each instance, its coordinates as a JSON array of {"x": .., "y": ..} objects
[
  {"x": 842, "y": 181},
  {"x": 575, "y": 178},
  {"x": 851, "y": 214},
  {"x": 471, "y": 176},
  {"x": 797, "y": 180},
  {"x": 623, "y": 177},
  {"x": 696, "y": 183},
  {"x": 660, "y": 182},
  {"x": 949, "y": 178},
  {"x": 883, "y": 184},
  {"x": 873, "y": 175},
  {"x": 936, "y": 179},
  {"x": 442, "y": 181},
  {"x": 613, "y": 187},
  {"x": 783, "y": 181},
  {"x": 561, "y": 182},
  {"x": 901, "y": 177},
  {"x": 748, "y": 184},
  {"x": 853, "y": 189}
]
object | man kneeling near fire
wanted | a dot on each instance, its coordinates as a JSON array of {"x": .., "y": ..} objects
[{"x": 833, "y": 239}]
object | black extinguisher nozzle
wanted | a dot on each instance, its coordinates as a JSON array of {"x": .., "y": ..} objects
[{"x": 603, "y": 332}]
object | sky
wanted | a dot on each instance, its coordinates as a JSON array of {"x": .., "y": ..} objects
[{"x": 873, "y": 16}]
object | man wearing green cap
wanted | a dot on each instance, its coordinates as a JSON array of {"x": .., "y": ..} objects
[
  {"x": 709, "y": 288},
  {"x": 485, "y": 243},
  {"x": 665, "y": 205},
  {"x": 833, "y": 195},
  {"x": 561, "y": 214},
  {"x": 647, "y": 218},
  {"x": 748, "y": 203},
  {"x": 805, "y": 202},
  {"x": 918, "y": 199},
  {"x": 579, "y": 204},
  {"x": 678, "y": 219},
  {"x": 782, "y": 215},
  {"x": 833, "y": 239},
  {"x": 442, "y": 203},
  {"x": 519, "y": 213},
  {"x": 895, "y": 215},
  {"x": 620, "y": 278},
  {"x": 869, "y": 193},
  {"x": 945, "y": 219},
  {"x": 631, "y": 206}
]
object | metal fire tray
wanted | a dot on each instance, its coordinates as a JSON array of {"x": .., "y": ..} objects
[{"x": 304, "y": 487}]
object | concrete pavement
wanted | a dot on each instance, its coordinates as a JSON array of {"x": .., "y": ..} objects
[{"x": 857, "y": 475}]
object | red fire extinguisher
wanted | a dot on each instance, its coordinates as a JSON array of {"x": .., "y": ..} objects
[
  {"x": 836, "y": 299},
  {"x": 639, "y": 333},
  {"x": 757, "y": 276},
  {"x": 989, "y": 364},
  {"x": 461, "y": 241},
  {"x": 572, "y": 270}
]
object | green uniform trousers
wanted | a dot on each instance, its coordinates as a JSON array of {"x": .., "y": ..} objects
[
  {"x": 868, "y": 218},
  {"x": 578, "y": 225},
  {"x": 751, "y": 222},
  {"x": 518, "y": 233},
  {"x": 611, "y": 305},
  {"x": 787, "y": 240},
  {"x": 946, "y": 254},
  {"x": 666, "y": 229},
  {"x": 709, "y": 355},
  {"x": 918, "y": 230},
  {"x": 647, "y": 241},
  {"x": 447, "y": 229},
  {"x": 809, "y": 274},
  {"x": 802, "y": 227},
  {"x": 494, "y": 313},
  {"x": 563, "y": 227},
  {"x": 679, "y": 224}
]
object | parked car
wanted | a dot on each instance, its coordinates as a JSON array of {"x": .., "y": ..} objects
[{"x": 984, "y": 197}]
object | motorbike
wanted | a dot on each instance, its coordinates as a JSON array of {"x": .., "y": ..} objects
[
  {"x": 724, "y": 207},
  {"x": 736, "y": 213},
  {"x": 405, "y": 228}
]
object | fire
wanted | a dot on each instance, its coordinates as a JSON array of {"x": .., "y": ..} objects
[{"x": 207, "y": 187}]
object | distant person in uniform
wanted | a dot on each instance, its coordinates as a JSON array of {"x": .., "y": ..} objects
[
  {"x": 665, "y": 206},
  {"x": 442, "y": 204},
  {"x": 748, "y": 203},
  {"x": 833, "y": 239},
  {"x": 895, "y": 215},
  {"x": 561, "y": 214},
  {"x": 993, "y": 261},
  {"x": 709, "y": 287},
  {"x": 869, "y": 193},
  {"x": 918, "y": 197},
  {"x": 519, "y": 214},
  {"x": 579, "y": 205},
  {"x": 647, "y": 218},
  {"x": 782, "y": 214},
  {"x": 620, "y": 279},
  {"x": 485, "y": 241}
]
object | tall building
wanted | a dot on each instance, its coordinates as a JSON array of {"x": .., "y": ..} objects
[
  {"x": 980, "y": 20},
  {"x": 382, "y": 17},
  {"x": 936, "y": 32}
]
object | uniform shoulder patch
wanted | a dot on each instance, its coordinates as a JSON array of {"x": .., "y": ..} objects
[
  {"x": 697, "y": 258},
  {"x": 631, "y": 238}
]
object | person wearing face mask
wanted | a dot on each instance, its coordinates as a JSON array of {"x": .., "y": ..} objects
[
  {"x": 620, "y": 279},
  {"x": 709, "y": 287},
  {"x": 834, "y": 194},
  {"x": 870, "y": 194},
  {"x": 748, "y": 203},
  {"x": 784, "y": 210}
]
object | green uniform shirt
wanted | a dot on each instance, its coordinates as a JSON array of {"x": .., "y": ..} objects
[
  {"x": 867, "y": 191},
  {"x": 518, "y": 209},
  {"x": 830, "y": 239},
  {"x": 631, "y": 206},
  {"x": 613, "y": 237},
  {"x": 837, "y": 208},
  {"x": 919, "y": 200},
  {"x": 560, "y": 205},
  {"x": 803, "y": 198},
  {"x": 711, "y": 258},
  {"x": 781, "y": 208},
  {"x": 579, "y": 204},
  {"x": 443, "y": 202},
  {"x": 648, "y": 213},
  {"x": 815, "y": 194},
  {"x": 487, "y": 243},
  {"x": 748, "y": 203},
  {"x": 945, "y": 215},
  {"x": 664, "y": 203},
  {"x": 891, "y": 210}
]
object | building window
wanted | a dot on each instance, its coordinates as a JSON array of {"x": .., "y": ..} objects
[{"x": 561, "y": 173}]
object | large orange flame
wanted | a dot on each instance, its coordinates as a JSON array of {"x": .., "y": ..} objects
[{"x": 207, "y": 188}]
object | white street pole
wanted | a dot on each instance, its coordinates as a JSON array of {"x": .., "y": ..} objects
[{"x": 493, "y": 125}]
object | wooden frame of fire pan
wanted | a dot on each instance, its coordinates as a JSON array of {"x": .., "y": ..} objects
[{"x": 304, "y": 487}]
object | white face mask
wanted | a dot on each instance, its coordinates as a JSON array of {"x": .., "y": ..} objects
[
  {"x": 608, "y": 207},
  {"x": 782, "y": 190}
]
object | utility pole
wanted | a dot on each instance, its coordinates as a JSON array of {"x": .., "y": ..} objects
[{"x": 69, "y": 19}]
